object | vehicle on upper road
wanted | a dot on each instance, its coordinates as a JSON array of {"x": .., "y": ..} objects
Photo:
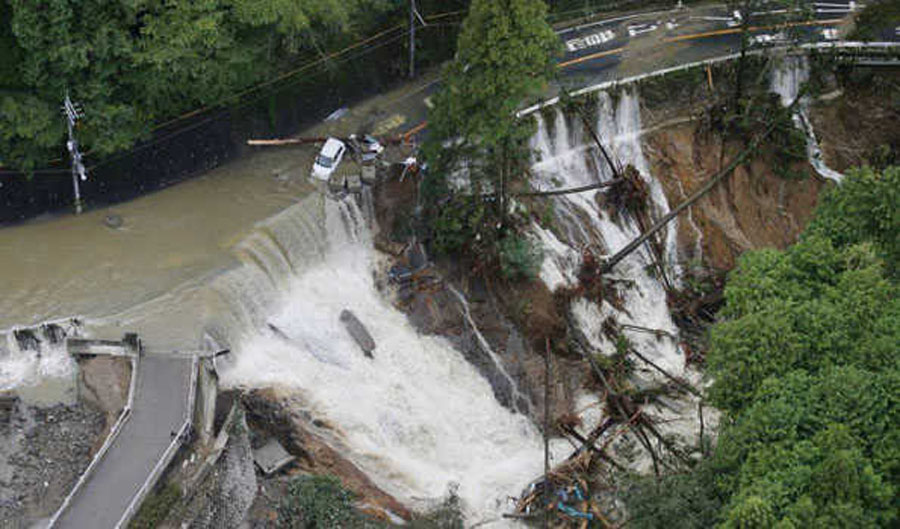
[
  {"x": 637, "y": 29},
  {"x": 768, "y": 40},
  {"x": 328, "y": 159}
]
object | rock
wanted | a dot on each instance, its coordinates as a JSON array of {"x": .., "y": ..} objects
[
  {"x": 354, "y": 183},
  {"x": 113, "y": 221}
]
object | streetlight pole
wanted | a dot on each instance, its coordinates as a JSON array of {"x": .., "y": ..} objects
[{"x": 73, "y": 113}]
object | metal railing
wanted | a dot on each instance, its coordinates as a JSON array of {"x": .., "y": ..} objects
[
  {"x": 124, "y": 416},
  {"x": 168, "y": 454}
]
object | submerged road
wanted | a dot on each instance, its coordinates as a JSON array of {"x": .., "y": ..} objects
[{"x": 159, "y": 411}]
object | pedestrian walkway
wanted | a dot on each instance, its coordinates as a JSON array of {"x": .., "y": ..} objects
[{"x": 162, "y": 394}]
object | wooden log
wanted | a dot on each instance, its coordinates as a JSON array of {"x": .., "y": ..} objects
[{"x": 284, "y": 141}]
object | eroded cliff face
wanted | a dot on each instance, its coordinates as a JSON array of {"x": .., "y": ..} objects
[
  {"x": 753, "y": 208},
  {"x": 858, "y": 123}
]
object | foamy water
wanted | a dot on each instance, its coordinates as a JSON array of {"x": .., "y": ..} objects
[
  {"x": 787, "y": 79},
  {"x": 568, "y": 159},
  {"x": 45, "y": 376},
  {"x": 416, "y": 418}
]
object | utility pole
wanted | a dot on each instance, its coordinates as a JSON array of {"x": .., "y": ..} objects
[
  {"x": 413, "y": 14},
  {"x": 73, "y": 113},
  {"x": 412, "y": 38}
]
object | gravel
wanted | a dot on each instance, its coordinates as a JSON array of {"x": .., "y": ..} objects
[{"x": 42, "y": 453}]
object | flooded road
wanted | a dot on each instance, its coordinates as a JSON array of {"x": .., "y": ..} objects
[
  {"x": 151, "y": 274},
  {"x": 79, "y": 267}
]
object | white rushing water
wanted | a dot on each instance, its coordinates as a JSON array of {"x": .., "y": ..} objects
[
  {"x": 787, "y": 79},
  {"x": 37, "y": 367},
  {"x": 23, "y": 367},
  {"x": 568, "y": 159},
  {"x": 416, "y": 418}
]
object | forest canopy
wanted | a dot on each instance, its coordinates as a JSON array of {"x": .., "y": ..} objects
[
  {"x": 132, "y": 63},
  {"x": 804, "y": 365}
]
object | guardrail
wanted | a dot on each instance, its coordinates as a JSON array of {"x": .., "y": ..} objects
[
  {"x": 168, "y": 454},
  {"x": 124, "y": 416},
  {"x": 723, "y": 58}
]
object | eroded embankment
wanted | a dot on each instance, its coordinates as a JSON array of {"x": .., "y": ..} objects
[{"x": 675, "y": 142}]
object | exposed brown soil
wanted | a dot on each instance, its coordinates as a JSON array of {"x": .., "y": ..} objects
[
  {"x": 860, "y": 127},
  {"x": 753, "y": 208},
  {"x": 278, "y": 414},
  {"x": 103, "y": 383}
]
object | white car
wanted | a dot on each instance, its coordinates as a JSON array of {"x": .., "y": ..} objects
[
  {"x": 766, "y": 39},
  {"x": 638, "y": 29},
  {"x": 329, "y": 158},
  {"x": 830, "y": 34}
]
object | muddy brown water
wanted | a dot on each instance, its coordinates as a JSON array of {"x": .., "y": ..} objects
[
  {"x": 78, "y": 266},
  {"x": 145, "y": 275}
]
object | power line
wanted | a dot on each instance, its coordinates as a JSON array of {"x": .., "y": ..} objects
[
  {"x": 192, "y": 126},
  {"x": 337, "y": 55}
]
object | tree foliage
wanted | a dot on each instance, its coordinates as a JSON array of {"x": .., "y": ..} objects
[
  {"x": 134, "y": 62},
  {"x": 865, "y": 208},
  {"x": 520, "y": 257},
  {"x": 804, "y": 364},
  {"x": 505, "y": 56},
  {"x": 321, "y": 502}
]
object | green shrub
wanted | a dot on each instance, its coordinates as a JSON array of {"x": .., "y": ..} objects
[
  {"x": 155, "y": 508},
  {"x": 316, "y": 502},
  {"x": 520, "y": 258}
]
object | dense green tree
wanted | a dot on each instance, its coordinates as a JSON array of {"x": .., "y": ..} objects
[
  {"x": 810, "y": 307},
  {"x": 505, "y": 56},
  {"x": 132, "y": 63},
  {"x": 805, "y": 367},
  {"x": 829, "y": 440},
  {"x": 866, "y": 207}
]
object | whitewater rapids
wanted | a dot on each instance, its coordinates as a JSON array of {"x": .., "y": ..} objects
[{"x": 417, "y": 418}]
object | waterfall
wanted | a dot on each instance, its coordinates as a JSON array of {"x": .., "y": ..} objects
[
  {"x": 417, "y": 418},
  {"x": 33, "y": 356},
  {"x": 787, "y": 79},
  {"x": 579, "y": 222}
]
